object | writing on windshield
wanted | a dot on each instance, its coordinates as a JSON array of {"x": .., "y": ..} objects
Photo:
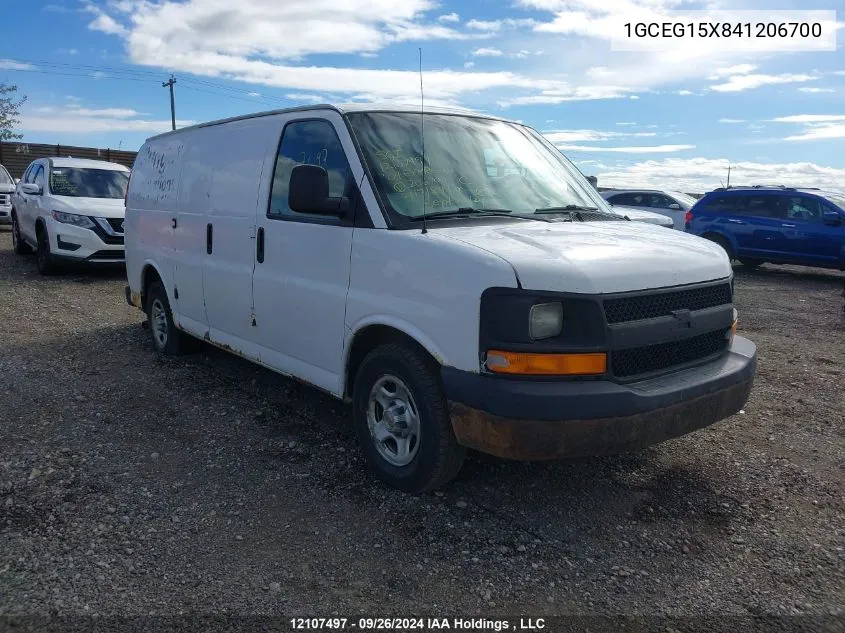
[
  {"x": 88, "y": 183},
  {"x": 469, "y": 162}
]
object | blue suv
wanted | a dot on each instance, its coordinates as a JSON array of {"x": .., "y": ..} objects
[{"x": 780, "y": 225}]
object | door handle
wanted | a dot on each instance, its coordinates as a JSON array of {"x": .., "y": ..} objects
[
  {"x": 259, "y": 245},
  {"x": 173, "y": 222},
  {"x": 788, "y": 226},
  {"x": 209, "y": 237}
]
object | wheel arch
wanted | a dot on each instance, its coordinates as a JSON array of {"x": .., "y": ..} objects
[
  {"x": 716, "y": 235},
  {"x": 150, "y": 273},
  {"x": 369, "y": 334}
]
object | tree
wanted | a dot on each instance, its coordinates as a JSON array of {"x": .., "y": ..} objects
[{"x": 10, "y": 106}]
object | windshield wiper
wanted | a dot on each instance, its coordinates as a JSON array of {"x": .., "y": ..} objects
[
  {"x": 575, "y": 209},
  {"x": 464, "y": 212}
]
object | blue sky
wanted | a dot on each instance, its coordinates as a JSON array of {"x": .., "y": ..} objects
[{"x": 92, "y": 72}]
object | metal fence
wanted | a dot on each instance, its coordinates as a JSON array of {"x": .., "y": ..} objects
[{"x": 16, "y": 156}]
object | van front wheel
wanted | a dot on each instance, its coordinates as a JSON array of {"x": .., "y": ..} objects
[{"x": 402, "y": 419}]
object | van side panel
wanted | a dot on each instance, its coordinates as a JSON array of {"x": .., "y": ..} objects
[
  {"x": 426, "y": 286},
  {"x": 189, "y": 236},
  {"x": 150, "y": 207},
  {"x": 237, "y": 153}
]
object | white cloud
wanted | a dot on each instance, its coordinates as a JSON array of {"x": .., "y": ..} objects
[
  {"x": 253, "y": 94},
  {"x": 699, "y": 175},
  {"x": 268, "y": 28},
  {"x": 298, "y": 96},
  {"x": 738, "y": 83},
  {"x": 644, "y": 149},
  {"x": 580, "y": 136},
  {"x": 449, "y": 17},
  {"x": 497, "y": 25},
  {"x": 685, "y": 93},
  {"x": 107, "y": 24},
  {"x": 822, "y": 132},
  {"x": 111, "y": 113},
  {"x": 626, "y": 123},
  {"x": 469, "y": 64},
  {"x": 816, "y": 90},
  {"x": 731, "y": 120},
  {"x": 487, "y": 52},
  {"x": 739, "y": 69},
  {"x": 10, "y": 64},
  {"x": 810, "y": 118},
  {"x": 90, "y": 125}
]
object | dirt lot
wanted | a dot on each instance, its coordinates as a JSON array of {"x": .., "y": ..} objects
[{"x": 134, "y": 484}]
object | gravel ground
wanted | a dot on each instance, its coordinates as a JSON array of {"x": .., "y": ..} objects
[{"x": 132, "y": 484}]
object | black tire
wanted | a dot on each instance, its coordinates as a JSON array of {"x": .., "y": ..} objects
[
  {"x": 171, "y": 340},
  {"x": 750, "y": 264},
  {"x": 438, "y": 457},
  {"x": 46, "y": 263},
  {"x": 18, "y": 244},
  {"x": 723, "y": 242}
]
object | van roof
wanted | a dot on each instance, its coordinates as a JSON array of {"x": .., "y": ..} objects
[
  {"x": 342, "y": 109},
  {"x": 86, "y": 163}
]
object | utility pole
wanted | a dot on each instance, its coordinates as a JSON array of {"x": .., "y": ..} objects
[
  {"x": 169, "y": 83},
  {"x": 729, "y": 175}
]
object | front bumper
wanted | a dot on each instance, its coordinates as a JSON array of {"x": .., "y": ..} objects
[
  {"x": 70, "y": 244},
  {"x": 535, "y": 420},
  {"x": 5, "y": 214}
]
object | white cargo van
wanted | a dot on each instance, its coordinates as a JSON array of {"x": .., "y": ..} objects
[{"x": 471, "y": 291}]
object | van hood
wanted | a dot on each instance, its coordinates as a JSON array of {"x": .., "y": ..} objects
[
  {"x": 97, "y": 207},
  {"x": 596, "y": 257}
]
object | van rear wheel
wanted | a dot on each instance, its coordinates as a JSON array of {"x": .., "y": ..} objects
[
  {"x": 167, "y": 338},
  {"x": 402, "y": 419}
]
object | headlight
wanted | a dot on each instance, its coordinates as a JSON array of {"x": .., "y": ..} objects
[
  {"x": 545, "y": 320},
  {"x": 74, "y": 219}
]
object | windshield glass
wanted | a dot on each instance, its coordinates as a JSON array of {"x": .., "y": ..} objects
[
  {"x": 5, "y": 178},
  {"x": 88, "y": 183},
  {"x": 838, "y": 200},
  {"x": 684, "y": 199},
  {"x": 469, "y": 162}
]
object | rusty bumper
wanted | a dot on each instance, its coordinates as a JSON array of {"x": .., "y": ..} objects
[{"x": 598, "y": 417}]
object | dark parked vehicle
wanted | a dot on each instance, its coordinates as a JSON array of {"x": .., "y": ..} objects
[{"x": 780, "y": 225}]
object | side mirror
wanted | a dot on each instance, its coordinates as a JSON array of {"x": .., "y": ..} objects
[
  {"x": 832, "y": 218},
  {"x": 17, "y": 180},
  {"x": 675, "y": 206},
  {"x": 31, "y": 188},
  {"x": 308, "y": 192}
]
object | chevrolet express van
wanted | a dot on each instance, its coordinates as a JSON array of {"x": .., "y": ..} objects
[{"x": 469, "y": 291}]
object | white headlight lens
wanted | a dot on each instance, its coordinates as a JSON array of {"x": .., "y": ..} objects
[
  {"x": 545, "y": 320},
  {"x": 74, "y": 219}
]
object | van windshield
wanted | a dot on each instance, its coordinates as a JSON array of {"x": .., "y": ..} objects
[
  {"x": 88, "y": 183},
  {"x": 5, "y": 178},
  {"x": 470, "y": 162}
]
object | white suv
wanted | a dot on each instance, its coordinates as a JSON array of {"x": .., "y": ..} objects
[{"x": 70, "y": 210}]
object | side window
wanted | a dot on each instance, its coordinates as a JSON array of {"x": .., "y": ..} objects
[
  {"x": 620, "y": 198},
  {"x": 313, "y": 143},
  {"x": 38, "y": 179},
  {"x": 29, "y": 174},
  {"x": 721, "y": 204},
  {"x": 803, "y": 209},
  {"x": 759, "y": 206},
  {"x": 659, "y": 201}
]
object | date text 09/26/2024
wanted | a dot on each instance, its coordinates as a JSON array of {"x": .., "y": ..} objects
[{"x": 417, "y": 624}]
